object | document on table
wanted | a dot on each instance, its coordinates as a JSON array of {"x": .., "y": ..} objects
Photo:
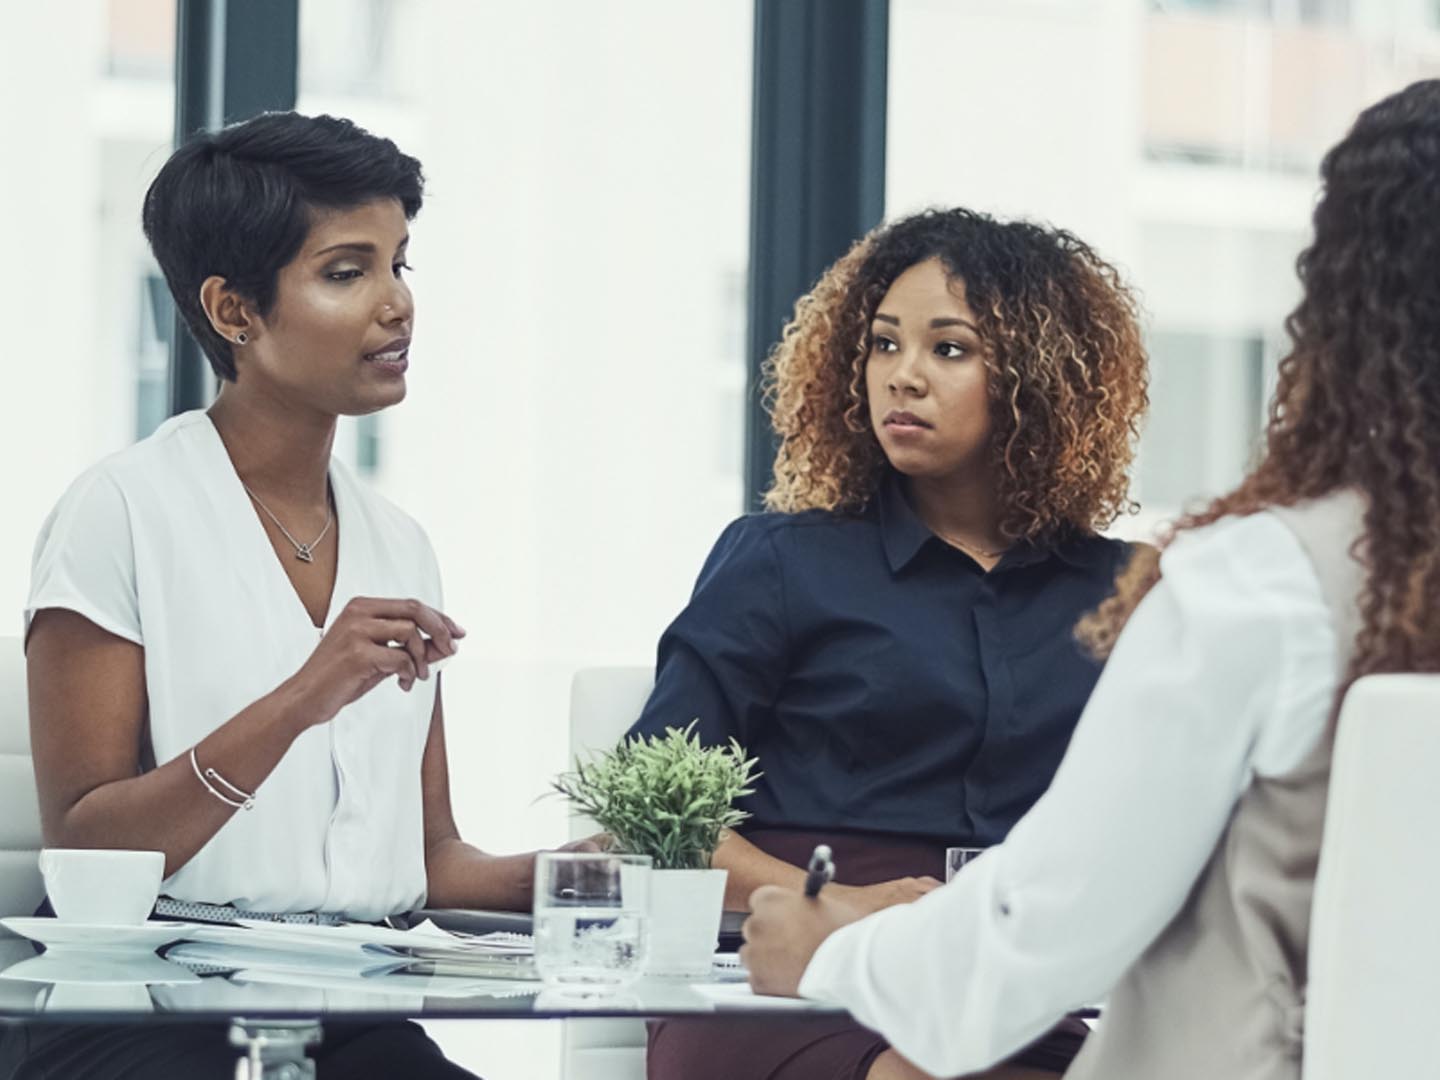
[
  {"x": 729, "y": 985},
  {"x": 739, "y": 995},
  {"x": 358, "y": 949}
]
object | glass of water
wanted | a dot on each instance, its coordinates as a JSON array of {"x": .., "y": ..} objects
[
  {"x": 592, "y": 916},
  {"x": 957, "y": 857}
]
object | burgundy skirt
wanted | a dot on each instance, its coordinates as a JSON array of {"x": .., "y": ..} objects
[{"x": 819, "y": 1048}]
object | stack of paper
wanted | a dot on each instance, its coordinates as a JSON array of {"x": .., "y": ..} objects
[{"x": 357, "y": 949}]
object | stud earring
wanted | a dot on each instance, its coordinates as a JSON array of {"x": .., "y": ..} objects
[{"x": 241, "y": 338}]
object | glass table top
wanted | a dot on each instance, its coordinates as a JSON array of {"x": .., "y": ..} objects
[{"x": 85, "y": 982}]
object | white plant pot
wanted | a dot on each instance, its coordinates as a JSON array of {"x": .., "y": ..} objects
[{"x": 685, "y": 910}]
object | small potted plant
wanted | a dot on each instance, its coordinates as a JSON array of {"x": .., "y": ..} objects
[{"x": 670, "y": 798}]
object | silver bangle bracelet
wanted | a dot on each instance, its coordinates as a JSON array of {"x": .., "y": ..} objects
[{"x": 246, "y": 800}]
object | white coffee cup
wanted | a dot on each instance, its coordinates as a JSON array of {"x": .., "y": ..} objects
[{"x": 102, "y": 887}]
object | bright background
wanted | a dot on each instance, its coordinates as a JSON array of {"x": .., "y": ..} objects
[{"x": 573, "y": 436}]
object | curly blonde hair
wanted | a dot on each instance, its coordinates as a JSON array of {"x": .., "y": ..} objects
[{"x": 1065, "y": 359}]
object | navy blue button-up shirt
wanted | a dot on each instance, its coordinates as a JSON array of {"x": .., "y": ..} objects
[{"x": 884, "y": 680}]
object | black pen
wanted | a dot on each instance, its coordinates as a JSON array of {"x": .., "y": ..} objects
[{"x": 820, "y": 871}]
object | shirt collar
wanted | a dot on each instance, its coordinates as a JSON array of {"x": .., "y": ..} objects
[
  {"x": 901, "y": 530},
  {"x": 904, "y": 535}
]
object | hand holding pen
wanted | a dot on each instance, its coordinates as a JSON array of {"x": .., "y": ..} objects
[{"x": 784, "y": 929}]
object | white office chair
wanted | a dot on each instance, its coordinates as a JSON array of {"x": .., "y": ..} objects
[
  {"x": 604, "y": 702},
  {"x": 1375, "y": 929},
  {"x": 20, "y": 885}
]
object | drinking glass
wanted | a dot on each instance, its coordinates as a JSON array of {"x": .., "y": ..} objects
[
  {"x": 957, "y": 857},
  {"x": 592, "y": 915}
]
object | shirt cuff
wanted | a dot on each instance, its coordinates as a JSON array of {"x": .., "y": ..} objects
[{"x": 825, "y": 974}]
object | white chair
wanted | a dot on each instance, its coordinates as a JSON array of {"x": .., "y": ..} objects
[
  {"x": 1375, "y": 929},
  {"x": 604, "y": 702},
  {"x": 20, "y": 885}
]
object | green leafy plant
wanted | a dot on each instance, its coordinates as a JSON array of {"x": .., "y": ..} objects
[{"x": 665, "y": 796}]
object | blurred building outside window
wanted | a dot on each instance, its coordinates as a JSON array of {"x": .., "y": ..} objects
[{"x": 1182, "y": 138}]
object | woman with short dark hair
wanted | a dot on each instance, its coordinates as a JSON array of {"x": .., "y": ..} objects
[{"x": 229, "y": 637}]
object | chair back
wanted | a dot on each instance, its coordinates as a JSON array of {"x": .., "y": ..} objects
[
  {"x": 1374, "y": 954},
  {"x": 604, "y": 702},
  {"x": 20, "y": 884}
]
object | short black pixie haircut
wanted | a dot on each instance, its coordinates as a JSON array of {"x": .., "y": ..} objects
[{"x": 238, "y": 202}]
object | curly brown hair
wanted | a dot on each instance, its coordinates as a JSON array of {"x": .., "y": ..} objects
[
  {"x": 1065, "y": 360},
  {"x": 1358, "y": 400}
]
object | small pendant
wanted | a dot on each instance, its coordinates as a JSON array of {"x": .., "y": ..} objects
[{"x": 303, "y": 553}]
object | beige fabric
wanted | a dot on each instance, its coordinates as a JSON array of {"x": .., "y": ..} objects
[{"x": 1221, "y": 991}]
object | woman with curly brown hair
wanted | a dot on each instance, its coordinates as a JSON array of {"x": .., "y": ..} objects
[
  {"x": 957, "y": 400},
  {"x": 1171, "y": 864}
]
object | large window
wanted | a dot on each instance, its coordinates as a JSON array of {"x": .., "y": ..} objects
[
  {"x": 1181, "y": 138},
  {"x": 88, "y": 119}
]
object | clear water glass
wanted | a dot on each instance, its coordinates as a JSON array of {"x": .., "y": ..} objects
[
  {"x": 957, "y": 857},
  {"x": 592, "y": 919}
]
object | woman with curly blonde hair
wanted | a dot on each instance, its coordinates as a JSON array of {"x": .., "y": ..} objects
[
  {"x": 957, "y": 400},
  {"x": 1170, "y": 867}
]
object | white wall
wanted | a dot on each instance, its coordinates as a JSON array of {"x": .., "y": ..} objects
[
  {"x": 1051, "y": 109},
  {"x": 55, "y": 417},
  {"x": 1024, "y": 108},
  {"x": 573, "y": 435}
]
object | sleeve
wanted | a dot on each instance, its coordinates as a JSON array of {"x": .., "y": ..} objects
[
  {"x": 85, "y": 559},
  {"x": 1050, "y": 919},
  {"x": 723, "y": 659}
]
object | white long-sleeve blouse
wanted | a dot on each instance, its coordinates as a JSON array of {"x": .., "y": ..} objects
[{"x": 1226, "y": 671}]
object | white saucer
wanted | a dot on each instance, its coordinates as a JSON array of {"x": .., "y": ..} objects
[{"x": 96, "y": 937}]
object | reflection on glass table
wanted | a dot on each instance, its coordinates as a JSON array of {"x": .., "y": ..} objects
[{"x": 209, "y": 980}]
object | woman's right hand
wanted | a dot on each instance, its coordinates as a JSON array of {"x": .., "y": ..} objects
[
  {"x": 373, "y": 639},
  {"x": 872, "y": 898}
]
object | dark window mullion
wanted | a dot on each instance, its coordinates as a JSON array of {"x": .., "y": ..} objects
[
  {"x": 232, "y": 61},
  {"x": 817, "y": 173}
]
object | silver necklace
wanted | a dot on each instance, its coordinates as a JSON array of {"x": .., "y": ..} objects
[{"x": 303, "y": 552}]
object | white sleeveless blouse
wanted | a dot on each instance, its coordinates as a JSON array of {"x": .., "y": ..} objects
[{"x": 160, "y": 545}]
